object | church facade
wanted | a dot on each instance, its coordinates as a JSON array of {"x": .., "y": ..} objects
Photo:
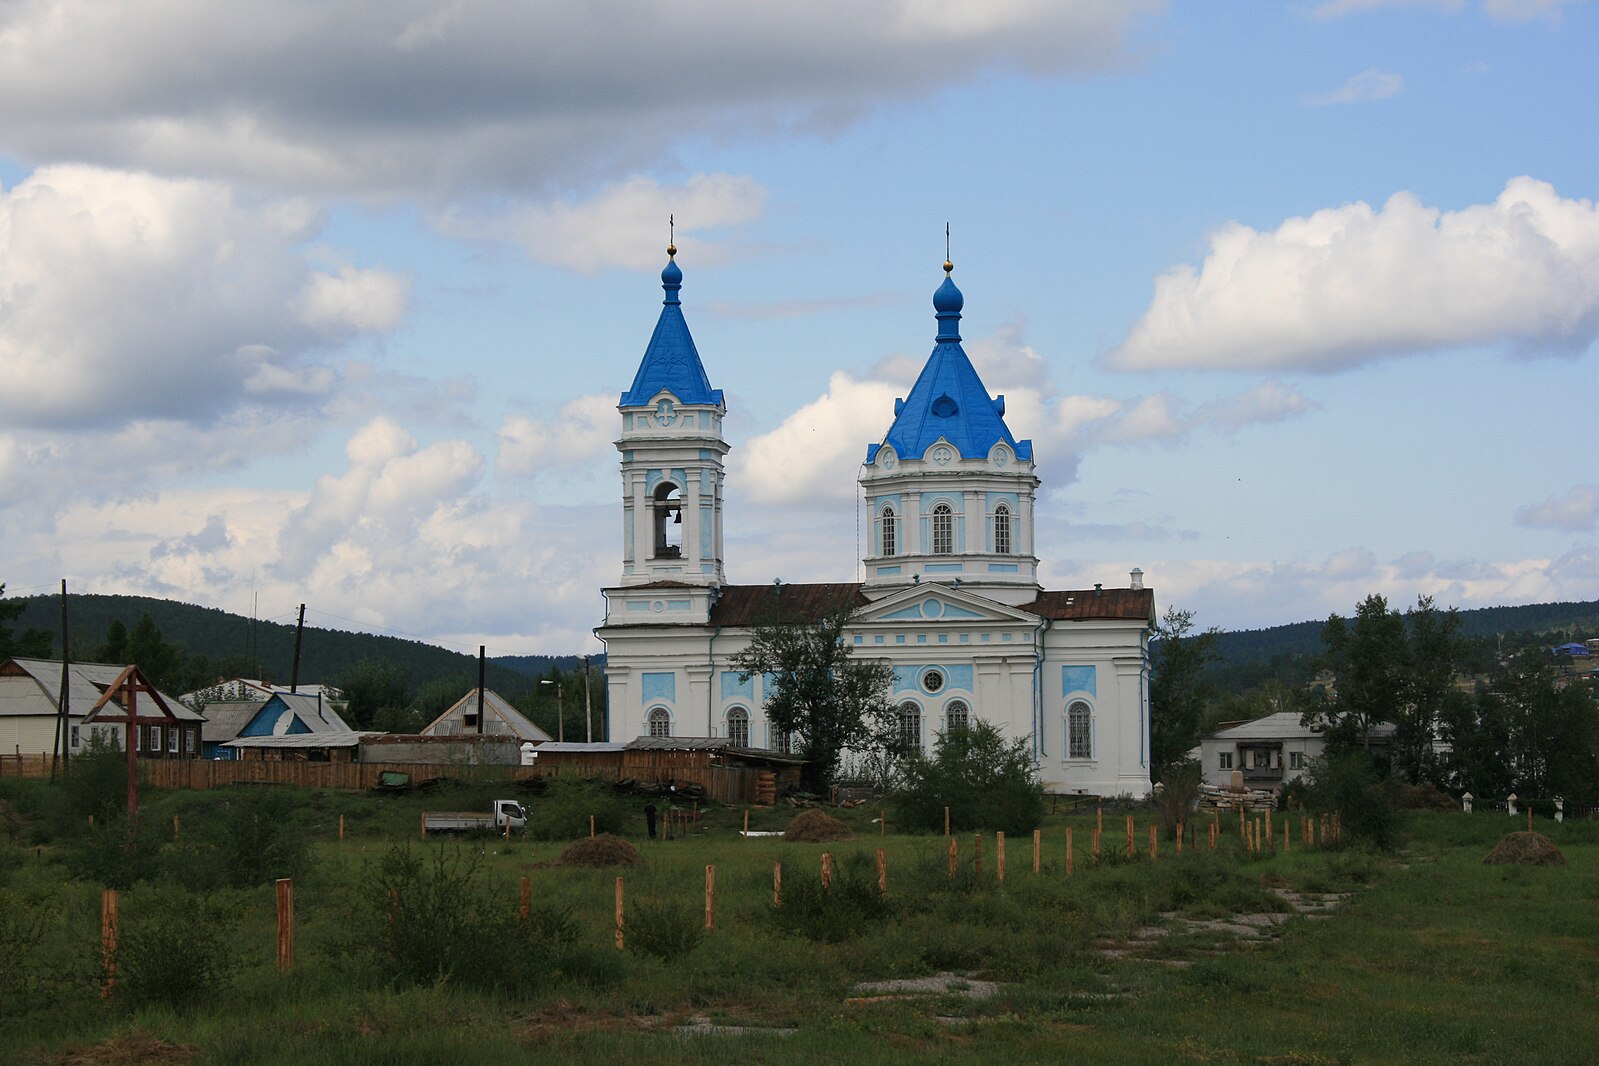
[{"x": 951, "y": 598}]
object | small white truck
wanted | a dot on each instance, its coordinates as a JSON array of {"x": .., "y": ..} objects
[{"x": 503, "y": 813}]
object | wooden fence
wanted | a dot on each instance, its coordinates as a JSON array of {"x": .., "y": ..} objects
[{"x": 724, "y": 784}]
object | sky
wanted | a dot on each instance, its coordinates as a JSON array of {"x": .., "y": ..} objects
[{"x": 332, "y": 303}]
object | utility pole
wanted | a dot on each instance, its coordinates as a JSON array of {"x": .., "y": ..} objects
[
  {"x": 299, "y": 631},
  {"x": 63, "y": 704},
  {"x": 560, "y": 712},
  {"x": 588, "y": 703},
  {"x": 482, "y": 666}
]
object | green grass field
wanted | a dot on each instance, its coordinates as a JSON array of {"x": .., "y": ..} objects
[{"x": 1434, "y": 957}]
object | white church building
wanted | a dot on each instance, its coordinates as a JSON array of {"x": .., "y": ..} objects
[{"x": 951, "y": 597}]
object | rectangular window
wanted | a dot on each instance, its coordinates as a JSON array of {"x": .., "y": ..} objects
[
  {"x": 1224, "y": 760},
  {"x": 1002, "y": 531},
  {"x": 75, "y": 736},
  {"x": 890, "y": 532},
  {"x": 1296, "y": 760},
  {"x": 1260, "y": 760},
  {"x": 153, "y": 742},
  {"x": 188, "y": 740},
  {"x": 172, "y": 739}
]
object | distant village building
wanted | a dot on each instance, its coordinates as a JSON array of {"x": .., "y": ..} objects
[
  {"x": 295, "y": 726},
  {"x": 500, "y": 719},
  {"x": 30, "y": 693},
  {"x": 951, "y": 596},
  {"x": 1269, "y": 752}
]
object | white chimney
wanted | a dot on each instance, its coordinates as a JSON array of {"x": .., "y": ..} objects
[{"x": 1138, "y": 578}]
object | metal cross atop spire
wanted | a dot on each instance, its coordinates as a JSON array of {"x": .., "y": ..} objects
[
  {"x": 948, "y": 265},
  {"x": 671, "y": 235}
]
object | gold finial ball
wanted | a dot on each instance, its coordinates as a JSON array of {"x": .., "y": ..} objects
[
  {"x": 671, "y": 249},
  {"x": 948, "y": 267}
]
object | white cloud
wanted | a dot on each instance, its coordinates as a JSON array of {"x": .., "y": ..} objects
[
  {"x": 581, "y": 433},
  {"x": 422, "y": 95},
  {"x": 1496, "y": 10},
  {"x": 1372, "y": 84},
  {"x": 1525, "y": 10},
  {"x": 1331, "y": 9},
  {"x": 623, "y": 224},
  {"x": 130, "y": 297},
  {"x": 1574, "y": 511},
  {"x": 1350, "y": 285}
]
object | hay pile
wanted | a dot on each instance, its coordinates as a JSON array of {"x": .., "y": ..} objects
[
  {"x": 603, "y": 850},
  {"x": 1525, "y": 848},
  {"x": 816, "y": 827}
]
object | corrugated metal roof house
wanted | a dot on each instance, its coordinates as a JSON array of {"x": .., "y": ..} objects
[{"x": 30, "y": 693}]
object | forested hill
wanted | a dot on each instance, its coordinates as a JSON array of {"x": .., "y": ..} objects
[
  {"x": 1248, "y": 657},
  {"x": 233, "y": 644}
]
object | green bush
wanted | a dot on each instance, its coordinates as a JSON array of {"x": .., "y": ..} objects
[
  {"x": 1348, "y": 785},
  {"x": 840, "y": 912},
  {"x": 664, "y": 929},
  {"x": 249, "y": 838},
  {"x": 562, "y": 813},
  {"x": 986, "y": 781},
  {"x": 113, "y": 856},
  {"x": 1178, "y": 794},
  {"x": 176, "y": 949}
]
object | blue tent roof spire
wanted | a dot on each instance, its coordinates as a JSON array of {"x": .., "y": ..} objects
[
  {"x": 671, "y": 362},
  {"x": 949, "y": 400}
]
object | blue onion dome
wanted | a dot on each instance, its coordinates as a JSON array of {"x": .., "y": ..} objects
[
  {"x": 948, "y": 301},
  {"x": 672, "y": 276}
]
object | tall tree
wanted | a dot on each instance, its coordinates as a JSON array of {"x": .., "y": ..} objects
[
  {"x": 373, "y": 691},
  {"x": 1369, "y": 657},
  {"x": 31, "y": 644},
  {"x": 161, "y": 660},
  {"x": 819, "y": 692},
  {"x": 1178, "y": 691}
]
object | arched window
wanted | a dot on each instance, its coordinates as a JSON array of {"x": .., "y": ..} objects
[
  {"x": 1079, "y": 731},
  {"x": 1002, "y": 530},
  {"x": 738, "y": 727},
  {"x": 668, "y": 507},
  {"x": 943, "y": 530},
  {"x": 910, "y": 725},
  {"x": 660, "y": 722},
  {"x": 957, "y": 718},
  {"x": 890, "y": 532}
]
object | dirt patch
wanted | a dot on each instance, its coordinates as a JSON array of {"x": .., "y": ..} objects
[
  {"x": 603, "y": 850},
  {"x": 816, "y": 827},
  {"x": 1525, "y": 848},
  {"x": 1423, "y": 798},
  {"x": 130, "y": 1049}
]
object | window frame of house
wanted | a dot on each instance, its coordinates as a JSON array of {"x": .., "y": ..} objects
[
  {"x": 173, "y": 740},
  {"x": 1224, "y": 760},
  {"x": 152, "y": 742},
  {"x": 890, "y": 531},
  {"x": 957, "y": 717},
  {"x": 738, "y": 727},
  {"x": 76, "y": 736},
  {"x": 658, "y": 717},
  {"x": 1002, "y": 530},
  {"x": 1079, "y": 731},
  {"x": 1297, "y": 761},
  {"x": 943, "y": 529},
  {"x": 189, "y": 738},
  {"x": 910, "y": 724}
]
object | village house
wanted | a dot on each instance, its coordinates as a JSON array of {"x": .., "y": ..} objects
[{"x": 30, "y": 694}]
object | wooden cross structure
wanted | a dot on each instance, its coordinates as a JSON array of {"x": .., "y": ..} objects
[{"x": 128, "y": 685}]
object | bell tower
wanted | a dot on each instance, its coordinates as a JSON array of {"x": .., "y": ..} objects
[{"x": 672, "y": 457}]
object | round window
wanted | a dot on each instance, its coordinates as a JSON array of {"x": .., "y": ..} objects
[{"x": 933, "y": 680}]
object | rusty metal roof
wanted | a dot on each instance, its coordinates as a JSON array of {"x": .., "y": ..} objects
[
  {"x": 748, "y": 605},
  {"x": 1077, "y": 605}
]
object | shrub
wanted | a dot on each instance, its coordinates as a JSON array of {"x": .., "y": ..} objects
[
  {"x": 665, "y": 930},
  {"x": 986, "y": 781},
  {"x": 175, "y": 949},
  {"x": 1178, "y": 793},
  {"x": 1347, "y": 785},
  {"x": 840, "y": 912},
  {"x": 113, "y": 856},
  {"x": 562, "y": 813},
  {"x": 252, "y": 838}
]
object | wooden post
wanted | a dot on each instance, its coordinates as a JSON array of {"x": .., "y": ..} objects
[
  {"x": 1038, "y": 847},
  {"x": 1153, "y": 855},
  {"x": 1269, "y": 844},
  {"x": 952, "y": 851},
  {"x": 1288, "y": 837},
  {"x": 882, "y": 873},
  {"x": 999, "y": 857},
  {"x": 341, "y": 827},
  {"x": 1096, "y": 846},
  {"x": 777, "y": 884},
  {"x": 977, "y": 854},
  {"x": 827, "y": 870},
  {"x": 175, "y": 828},
  {"x": 285, "y": 925},
  {"x": 1212, "y": 836},
  {"x": 1129, "y": 836},
  {"x": 1179, "y": 838},
  {"x": 710, "y": 898},
  {"x": 525, "y": 903},
  {"x": 591, "y": 828},
  {"x": 91, "y": 821},
  {"x": 946, "y": 821},
  {"x": 746, "y": 821},
  {"x": 1099, "y": 818},
  {"x": 1068, "y": 852},
  {"x": 1529, "y": 816},
  {"x": 108, "y": 940},
  {"x": 424, "y": 825},
  {"x": 618, "y": 914}
]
